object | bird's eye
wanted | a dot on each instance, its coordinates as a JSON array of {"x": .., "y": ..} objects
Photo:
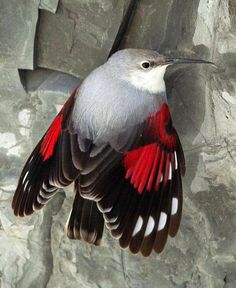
[{"x": 145, "y": 65}]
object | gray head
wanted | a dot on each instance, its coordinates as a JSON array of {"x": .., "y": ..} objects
[{"x": 144, "y": 69}]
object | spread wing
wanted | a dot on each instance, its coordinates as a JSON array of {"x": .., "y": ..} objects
[
  {"x": 139, "y": 191},
  {"x": 55, "y": 162},
  {"x": 137, "y": 187}
]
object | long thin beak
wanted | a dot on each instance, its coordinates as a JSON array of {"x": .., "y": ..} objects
[{"x": 186, "y": 61}]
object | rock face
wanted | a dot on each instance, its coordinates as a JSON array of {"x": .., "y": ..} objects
[{"x": 71, "y": 37}]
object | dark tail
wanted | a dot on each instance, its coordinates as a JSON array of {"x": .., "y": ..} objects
[{"x": 85, "y": 221}]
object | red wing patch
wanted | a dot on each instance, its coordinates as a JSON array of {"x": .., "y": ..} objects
[
  {"x": 54, "y": 131},
  {"x": 140, "y": 165},
  {"x": 160, "y": 129},
  {"x": 51, "y": 137},
  {"x": 149, "y": 165}
]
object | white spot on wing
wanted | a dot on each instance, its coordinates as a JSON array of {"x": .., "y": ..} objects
[
  {"x": 170, "y": 172},
  {"x": 138, "y": 226},
  {"x": 174, "y": 206},
  {"x": 25, "y": 185},
  {"x": 150, "y": 226},
  {"x": 176, "y": 161},
  {"x": 26, "y": 174},
  {"x": 162, "y": 221}
]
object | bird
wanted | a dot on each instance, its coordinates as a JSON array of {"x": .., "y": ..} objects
[{"x": 115, "y": 141}]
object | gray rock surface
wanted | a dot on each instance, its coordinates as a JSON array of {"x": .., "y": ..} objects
[
  {"x": 17, "y": 33},
  {"x": 79, "y": 30},
  {"x": 50, "y": 5},
  {"x": 34, "y": 251}
]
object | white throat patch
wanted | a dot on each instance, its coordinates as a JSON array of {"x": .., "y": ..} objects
[{"x": 151, "y": 81}]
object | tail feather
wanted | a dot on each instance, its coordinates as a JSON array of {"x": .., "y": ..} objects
[{"x": 85, "y": 221}]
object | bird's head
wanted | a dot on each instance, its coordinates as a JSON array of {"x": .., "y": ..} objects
[{"x": 145, "y": 69}]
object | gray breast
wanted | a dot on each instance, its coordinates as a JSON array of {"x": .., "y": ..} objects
[{"x": 107, "y": 106}]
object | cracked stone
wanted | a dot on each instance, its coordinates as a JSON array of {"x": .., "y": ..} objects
[
  {"x": 35, "y": 252},
  {"x": 79, "y": 30}
]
